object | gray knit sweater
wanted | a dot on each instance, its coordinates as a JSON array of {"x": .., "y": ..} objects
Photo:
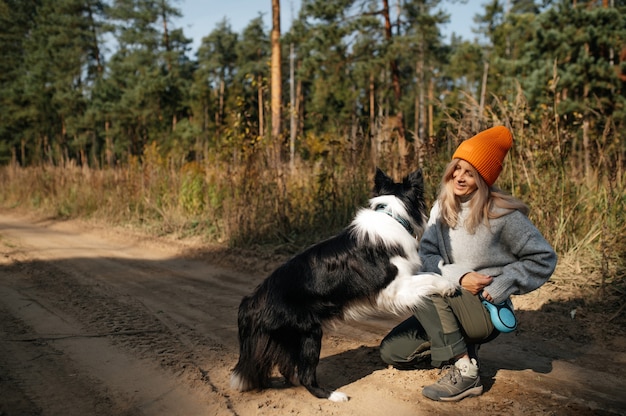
[{"x": 511, "y": 250}]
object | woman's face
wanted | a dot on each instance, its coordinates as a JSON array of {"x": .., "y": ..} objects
[{"x": 464, "y": 179}]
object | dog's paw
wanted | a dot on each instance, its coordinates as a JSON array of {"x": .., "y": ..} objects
[
  {"x": 337, "y": 396},
  {"x": 445, "y": 287},
  {"x": 238, "y": 383}
]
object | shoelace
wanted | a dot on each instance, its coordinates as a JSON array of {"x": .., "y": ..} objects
[{"x": 453, "y": 374}]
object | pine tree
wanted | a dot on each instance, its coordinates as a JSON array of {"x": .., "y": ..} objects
[
  {"x": 16, "y": 21},
  {"x": 61, "y": 54},
  {"x": 253, "y": 55},
  {"x": 217, "y": 63},
  {"x": 146, "y": 75},
  {"x": 421, "y": 48},
  {"x": 568, "y": 65}
]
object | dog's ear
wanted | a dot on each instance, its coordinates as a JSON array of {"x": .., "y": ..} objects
[
  {"x": 381, "y": 181},
  {"x": 415, "y": 179}
]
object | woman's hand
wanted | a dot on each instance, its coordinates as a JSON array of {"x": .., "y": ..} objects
[{"x": 475, "y": 282}]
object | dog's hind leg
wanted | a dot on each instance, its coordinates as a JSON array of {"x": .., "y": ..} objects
[
  {"x": 255, "y": 362},
  {"x": 287, "y": 358},
  {"x": 307, "y": 366},
  {"x": 289, "y": 373},
  {"x": 254, "y": 366}
]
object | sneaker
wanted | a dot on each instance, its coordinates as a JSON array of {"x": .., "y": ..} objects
[{"x": 460, "y": 381}]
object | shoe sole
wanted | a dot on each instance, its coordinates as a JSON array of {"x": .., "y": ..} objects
[{"x": 474, "y": 391}]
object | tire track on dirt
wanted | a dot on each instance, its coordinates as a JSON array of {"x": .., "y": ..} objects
[
  {"x": 128, "y": 322},
  {"x": 73, "y": 374},
  {"x": 38, "y": 359},
  {"x": 110, "y": 313}
]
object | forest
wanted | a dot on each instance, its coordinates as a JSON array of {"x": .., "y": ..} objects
[{"x": 268, "y": 139}]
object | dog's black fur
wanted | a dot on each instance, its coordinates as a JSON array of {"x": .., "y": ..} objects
[{"x": 371, "y": 266}]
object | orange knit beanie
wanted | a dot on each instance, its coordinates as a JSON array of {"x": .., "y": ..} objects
[{"x": 486, "y": 151}]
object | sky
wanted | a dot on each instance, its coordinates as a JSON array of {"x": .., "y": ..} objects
[{"x": 200, "y": 17}]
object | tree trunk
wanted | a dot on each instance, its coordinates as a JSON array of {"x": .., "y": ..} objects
[
  {"x": 372, "y": 100},
  {"x": 108, "y": 147},
  {"x": 416, "y": 121},
  {"x": 483, "y": 93},
  {"x": 397, "y": 91},
  {"x": 261, "y": 112},
  {"x": 220, "y": 110},
  {"x": 292, "y": 109},
  {"x": 586, "y": 150},
  {"x": 23, "y": 152},
  {"x": 420, "y": 110},
  {"x": 276, "y": 79},
  {"x": 166, "y": 39},
  {"x": 300, "y": 103},
  {"x": 96, "y": 49},
  {"x": 431, "y": 99},
  {"x": 373, "y": 130}
]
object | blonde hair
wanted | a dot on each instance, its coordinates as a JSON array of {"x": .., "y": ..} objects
[{"x": 486, "y": 203}]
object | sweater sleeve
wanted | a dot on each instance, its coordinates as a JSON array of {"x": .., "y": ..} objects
[
  {"x": 429, "y": 250},
  {"x": 433, "y": 254},
  {"x": 429, "y": 244},
  {"x": 536, "y": 259}
]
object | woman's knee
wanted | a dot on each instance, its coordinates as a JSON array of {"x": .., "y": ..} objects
[
  {"x": 386, "y": 350},
  {"x": 402, "y": 342},
  {"x": 404, "y": 352}
]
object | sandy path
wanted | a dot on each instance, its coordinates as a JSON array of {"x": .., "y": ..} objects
[{"x": 108, "y": 323}]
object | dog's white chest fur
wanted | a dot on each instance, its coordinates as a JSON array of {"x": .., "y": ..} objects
[{"x": 409, "y": 288}]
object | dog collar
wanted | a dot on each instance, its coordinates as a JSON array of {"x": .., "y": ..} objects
[{"x": 402, "y": 221}]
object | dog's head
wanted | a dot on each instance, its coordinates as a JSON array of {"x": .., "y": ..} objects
[{"x": 404, "y": 199}]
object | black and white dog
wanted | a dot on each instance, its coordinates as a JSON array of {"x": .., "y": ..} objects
[{"x": 370, "y": 267}]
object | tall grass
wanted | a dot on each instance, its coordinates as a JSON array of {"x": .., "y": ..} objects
[
  {"x": 238, "y": 205},
  {"x": 252, "y": 204}
]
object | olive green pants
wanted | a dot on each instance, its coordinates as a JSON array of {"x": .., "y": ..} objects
[{"x": 440, "y": 329}]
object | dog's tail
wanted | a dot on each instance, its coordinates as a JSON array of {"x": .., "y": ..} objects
[{"x": 254, "y": 367}]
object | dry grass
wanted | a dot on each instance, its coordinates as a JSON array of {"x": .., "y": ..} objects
[{"x": 281, "y": 210}]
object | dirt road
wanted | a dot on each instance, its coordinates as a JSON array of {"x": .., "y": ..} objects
[{"x": 102, "y": 322}]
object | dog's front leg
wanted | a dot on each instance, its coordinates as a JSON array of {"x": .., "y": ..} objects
[{"x": 407, "y": 292}]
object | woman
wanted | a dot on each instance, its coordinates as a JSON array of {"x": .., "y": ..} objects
[{"x": 481, "y": 238}]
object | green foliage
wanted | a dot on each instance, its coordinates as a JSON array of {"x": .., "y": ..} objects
[
  {"x": 570, "y": 49},
  {"x": 67, "y": 103},
  {"x": 191, "y": 196}
]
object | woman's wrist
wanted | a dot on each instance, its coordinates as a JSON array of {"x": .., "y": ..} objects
[{"x": 461, "y": 279}]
